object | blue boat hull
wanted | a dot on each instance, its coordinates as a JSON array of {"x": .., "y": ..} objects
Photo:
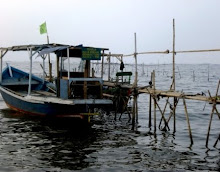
[
  {"x": 42, "y": 102},
  {"x": 44, "y": 109}
]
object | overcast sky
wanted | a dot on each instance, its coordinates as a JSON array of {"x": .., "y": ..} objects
[{"x": 112, "y": 24}]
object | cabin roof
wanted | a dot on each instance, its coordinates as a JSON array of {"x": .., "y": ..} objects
[
  {"x": 35, "y": 47},
  {"x": 74, "y": 51}
]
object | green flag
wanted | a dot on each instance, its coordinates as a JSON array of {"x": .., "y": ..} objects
[{"x": 43, "y": 28}]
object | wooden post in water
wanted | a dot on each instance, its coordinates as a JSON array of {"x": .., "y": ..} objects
[
  {"x": 210, "y": 122},
  {"x": 217, "y": 141},
  {"x": 174, "y": 85},
  {"x": 154, "y": 87},
  {"x": 211, "y": 115},
  {"x": 187, "y": 118},
  {"x": 134, "y": 114},
  {"x": 134, "y": 110},
  {"x": 150, "y": 100}
]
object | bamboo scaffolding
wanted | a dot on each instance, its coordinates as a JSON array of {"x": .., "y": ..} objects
[
  {"x": 214, "y": 100},
  {"x": 162, "y": 114},
  {"x": 171, "y": 93}
]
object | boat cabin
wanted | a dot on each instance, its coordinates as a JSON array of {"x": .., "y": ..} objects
[{"x": 70, "y": 83}]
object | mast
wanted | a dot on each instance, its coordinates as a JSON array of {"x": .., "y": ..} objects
[{"x": 50, "y": 65}]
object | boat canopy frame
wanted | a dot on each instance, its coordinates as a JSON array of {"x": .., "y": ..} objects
[{"x": 61, "y": 50}]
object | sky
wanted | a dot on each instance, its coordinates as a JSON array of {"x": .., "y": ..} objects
[{"x": 112, "y": 24}]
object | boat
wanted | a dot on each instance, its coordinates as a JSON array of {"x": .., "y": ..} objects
[{"x": 73, "y": 94}]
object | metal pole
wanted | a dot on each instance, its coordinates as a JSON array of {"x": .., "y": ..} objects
[{"x": 30, "y": 72}]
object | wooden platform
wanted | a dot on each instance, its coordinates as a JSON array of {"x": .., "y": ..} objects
[{"x": 170, "y": 93}]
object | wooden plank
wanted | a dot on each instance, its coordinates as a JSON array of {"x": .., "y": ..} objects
[
  {"x": 44, "y": 93},
  {"x": 176, "y": 94}
]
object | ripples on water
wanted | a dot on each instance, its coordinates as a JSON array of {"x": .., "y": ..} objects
[{"x": 40, "y": 144}]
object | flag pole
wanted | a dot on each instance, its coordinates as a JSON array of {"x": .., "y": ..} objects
[{"x": 50, "y": 64}]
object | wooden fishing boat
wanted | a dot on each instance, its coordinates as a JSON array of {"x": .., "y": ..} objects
[{"x": 74, "y": 94}]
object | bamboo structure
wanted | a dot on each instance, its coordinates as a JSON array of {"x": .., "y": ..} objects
[
  {"x": 211, "y": 115},
  {"x": 171, "y": 93}
]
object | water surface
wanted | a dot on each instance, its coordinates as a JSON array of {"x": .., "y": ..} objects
[{"x": 41, "y": 144}]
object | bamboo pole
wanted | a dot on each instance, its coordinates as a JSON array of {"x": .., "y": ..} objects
[
  {"x": 150, "y": 103},
  {"x": 164, "y": 111},
  {"x": 136, "y": 105},
  {"x": 174, "y": 84},
  {"x": 134, "y": 111},
  {"x": 135, "y": 84},
  {"x": 211, "y": 115},
  {"x": 171, "y": 113},
  {"x": 217, "y": 90},
  {"x": 176, "y": 52},
  {"x": 187, "y": 118},
  {"x": 162, "y": 114},
  {"x": 210, "y": 123},
  {"x": 50, "y": 64},
  {"x": 154, "y": 88},
  {"x": 135, "y": 57},
  {"x": 217, "y": 141}
]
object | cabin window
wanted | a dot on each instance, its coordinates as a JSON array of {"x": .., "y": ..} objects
[{"x": 76, "y": 68}]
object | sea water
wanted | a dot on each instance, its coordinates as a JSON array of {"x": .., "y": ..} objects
[{"x": 39, "y": 144}]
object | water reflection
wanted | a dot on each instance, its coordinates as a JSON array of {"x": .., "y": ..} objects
[
  {"x": 42, "y": 144},
  {"x": 32, "y": 142}
]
